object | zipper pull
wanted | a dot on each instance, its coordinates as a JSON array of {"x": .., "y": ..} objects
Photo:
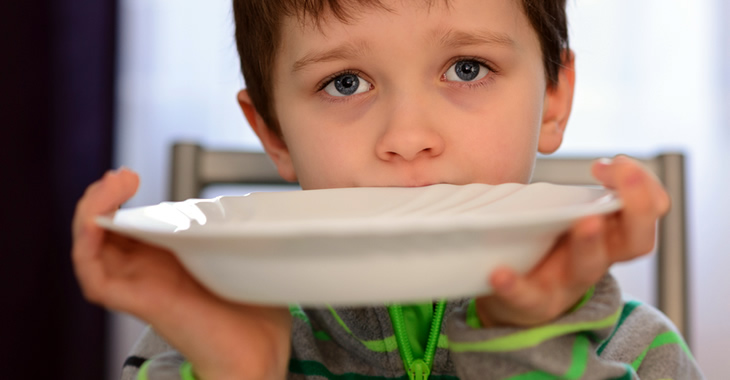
[{"x": 419, "y": 370}]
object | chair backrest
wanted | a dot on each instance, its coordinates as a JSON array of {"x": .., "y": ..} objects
[{"x": 194, "y": 168}]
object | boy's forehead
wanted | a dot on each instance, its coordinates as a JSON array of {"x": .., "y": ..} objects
[{"x": 497, "y": 21}]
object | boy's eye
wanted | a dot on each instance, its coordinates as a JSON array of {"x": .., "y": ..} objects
[
  {"x": 466, "y": 70},
  {"x": 346, "y": 85}
]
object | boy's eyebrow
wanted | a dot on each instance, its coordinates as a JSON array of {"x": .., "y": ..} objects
[
  {"x": 450, "y": 38},
  {"x": 458, "y": 38},
  {"x": 344, "y": 51}
]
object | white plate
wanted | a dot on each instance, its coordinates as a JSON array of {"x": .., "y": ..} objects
[{"x": 360, "y": 246}]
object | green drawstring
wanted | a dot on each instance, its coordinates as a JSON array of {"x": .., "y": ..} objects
[{"x": 418, "y": 369}]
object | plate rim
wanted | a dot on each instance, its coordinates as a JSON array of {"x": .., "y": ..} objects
[{"x": 606, "y": 203}]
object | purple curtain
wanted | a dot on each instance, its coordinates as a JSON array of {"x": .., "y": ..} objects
[{"x": 57, "y": 126}]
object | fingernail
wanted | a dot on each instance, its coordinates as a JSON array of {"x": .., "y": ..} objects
[
  {"x": 604, "y": 161},
  {"x": 600, "y": 168}
]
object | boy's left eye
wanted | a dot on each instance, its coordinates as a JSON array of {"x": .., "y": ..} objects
[
  {"x": 466, "y": 70},
  {"x": 347, "y": 84}
]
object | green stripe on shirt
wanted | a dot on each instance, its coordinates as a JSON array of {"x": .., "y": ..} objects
[
  {"x": 669, "y": 337},
  {"x": 625, "y": 312},
  {"x": 628, "y": 375},
  {"x": 142, "y": 373},
  {"x": 472, "y": 318},
  {"x": 578, "y": 364},
  {"x": 381, "y": 345},
  {"x": 532, "y": 337},
  {"x": 296, "y": 311}
]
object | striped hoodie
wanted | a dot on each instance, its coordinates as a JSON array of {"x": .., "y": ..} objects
[{"x": 605, "y": 337}]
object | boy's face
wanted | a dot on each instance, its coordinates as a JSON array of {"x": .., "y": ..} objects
[{"x": 412, "y": 96}]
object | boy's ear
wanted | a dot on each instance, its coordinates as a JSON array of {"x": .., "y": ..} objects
[
  {"x": 557, "y": 107},
  {"x": 272, "y": 142}
]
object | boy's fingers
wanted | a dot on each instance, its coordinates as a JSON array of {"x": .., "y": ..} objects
[
  {"x": 580, "y": 256},
  {"x": 107, "y": 194},
  {"x": 639, "y": 214},
  {"x": 643, "y": 199},
  {"x": 587, "y": 252},
  {"x": 90, "y": 269},
  {"x": 605, "y": 170},
  {"x": 101, "y": 197},
  {"x": 514, "y": 289},
  {"x": 104, "y": 196},
  {"x": 627, "y": 175},
  {"x": 576, "y": 262}
]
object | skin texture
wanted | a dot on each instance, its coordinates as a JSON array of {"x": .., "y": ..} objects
[
  {"x": 415, "y": 127},
  {"x": 411, "y": 123}
]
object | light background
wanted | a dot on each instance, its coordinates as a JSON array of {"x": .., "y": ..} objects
[{"x": 650, "y": 78}]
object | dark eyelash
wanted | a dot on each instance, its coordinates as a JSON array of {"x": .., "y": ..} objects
[
  {"x": 326, "y": 81},
  {"x": 481, "y": 61}
]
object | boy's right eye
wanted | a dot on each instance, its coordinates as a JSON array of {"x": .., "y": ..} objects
[{"x": 347, "y": 84}]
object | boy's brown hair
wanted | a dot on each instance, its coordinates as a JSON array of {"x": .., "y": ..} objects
[{"x": 258, "y": 32}]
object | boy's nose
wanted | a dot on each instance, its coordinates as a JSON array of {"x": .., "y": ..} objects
[{"x": 409, "y": 138}]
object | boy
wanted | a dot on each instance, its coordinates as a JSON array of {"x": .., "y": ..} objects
[{"x": 402, "y": 93}]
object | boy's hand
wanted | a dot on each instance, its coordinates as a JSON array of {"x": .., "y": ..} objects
[
  {"x": 222, "y": 339},
  {"x": 584, "y": 254}
]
